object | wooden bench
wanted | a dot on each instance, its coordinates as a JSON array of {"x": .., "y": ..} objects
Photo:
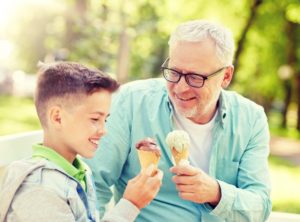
[{"x": 18, "y": 146}]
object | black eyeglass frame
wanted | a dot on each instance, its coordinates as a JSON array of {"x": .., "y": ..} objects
[{"x": 204, "y": 77}]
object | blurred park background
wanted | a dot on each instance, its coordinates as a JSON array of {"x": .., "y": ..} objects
[{"x": 128, "y": 39}]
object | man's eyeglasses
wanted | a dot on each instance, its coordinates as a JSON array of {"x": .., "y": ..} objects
[{"x": 192, "y": 79}]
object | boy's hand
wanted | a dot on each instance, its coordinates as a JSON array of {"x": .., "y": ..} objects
[{"x": 143, "y": 188}]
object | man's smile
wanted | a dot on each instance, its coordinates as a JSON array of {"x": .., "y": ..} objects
[{"x": 184, "y": 99}]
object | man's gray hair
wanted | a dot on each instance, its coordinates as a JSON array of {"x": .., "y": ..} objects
[{"x": 199, "y": 30}]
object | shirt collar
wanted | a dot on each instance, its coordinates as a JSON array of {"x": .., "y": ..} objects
[
  {"x": 76, "y": 170},
  {"x": 222, "y": 108}
]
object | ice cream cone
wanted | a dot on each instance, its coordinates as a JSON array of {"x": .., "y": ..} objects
[
  {"x": 148, "y": 157},
  {"x": 179, "y": 143},
  {"x": 149, "y": 153},
  {"x": 179, "y": 156}
]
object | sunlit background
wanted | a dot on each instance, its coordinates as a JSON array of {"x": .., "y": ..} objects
[{"x": 128, "y": 39}]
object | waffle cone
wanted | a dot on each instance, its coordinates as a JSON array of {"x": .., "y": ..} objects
[
  {"x": 147, "y": 157},
  {"x": 178, "y": 156}
]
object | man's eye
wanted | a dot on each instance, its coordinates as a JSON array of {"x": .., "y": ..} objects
[
  {"x": 196, "y": 78},
  {"x": 95, "y": 119},
  {"x": 173, "y": 73}
]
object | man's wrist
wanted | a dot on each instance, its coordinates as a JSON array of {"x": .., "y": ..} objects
[{"x": 217, "y": 196}]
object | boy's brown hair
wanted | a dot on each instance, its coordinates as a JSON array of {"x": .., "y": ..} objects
[{"x": 62, "y": 80}]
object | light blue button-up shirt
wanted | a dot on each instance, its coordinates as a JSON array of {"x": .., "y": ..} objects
[{"x": 239, "y": 159}]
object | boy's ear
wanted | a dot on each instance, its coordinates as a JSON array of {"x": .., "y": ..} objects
[
  {"x": 55, "y": 115},
  {"x": 227, "y": 76}
]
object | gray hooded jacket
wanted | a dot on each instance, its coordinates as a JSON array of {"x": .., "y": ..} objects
[{"x": 38, "y": 190}]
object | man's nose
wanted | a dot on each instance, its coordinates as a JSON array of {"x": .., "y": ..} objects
[{"x": 182, "y": 85}]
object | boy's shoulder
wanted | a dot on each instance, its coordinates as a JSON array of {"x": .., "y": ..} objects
[
  {"x": 32, "y": 172},
  {"x": 17, "y": 171},
  {"x": 24, "y": 174},
  {"x": 15, "y": 174},
  {"x": 25, "y": 178}
]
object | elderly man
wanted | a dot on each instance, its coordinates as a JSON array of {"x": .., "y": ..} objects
[{"x": 228, "y": 178}]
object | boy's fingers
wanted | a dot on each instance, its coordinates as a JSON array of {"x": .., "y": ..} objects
[
  {"x": 155, "y": 182},
  {"x": 149, "y": 170},
  {"x": 159, "y": 174},
  {"x": 137, "y": 177}
]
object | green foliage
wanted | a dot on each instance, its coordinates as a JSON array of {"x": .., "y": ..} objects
[
  {"x": 263, "y": 55},
  {"x": 293, "y": 12},
  {"x": 28, "y": 31},
  {"x": 91, "y": 35}
]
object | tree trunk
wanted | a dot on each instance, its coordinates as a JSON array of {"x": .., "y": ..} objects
[
  {"x": 81, "y": 8},
  {"x": 123, "y": 52},
  {"x": 76, "y": 13},
  {"x": 123, "y": 57},
  {"x": 298, "y": 100},
  {"x": 242, "y": 40},
  {"x": 291, "y": 61},
  {"x": 287, "y": 100},
  {"x": 297, "y": 74}
]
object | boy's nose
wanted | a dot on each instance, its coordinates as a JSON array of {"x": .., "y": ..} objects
[{"x": 101, "y": 131}]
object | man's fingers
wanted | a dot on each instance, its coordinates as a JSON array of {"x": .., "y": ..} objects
[
  {"x": 184, "y": 170},
  {"x": 187, "y": 196},
  {"x": 185, "y": 180},
  {"x": 185, "y": 188}
]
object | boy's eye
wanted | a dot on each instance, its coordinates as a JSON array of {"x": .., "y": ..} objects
[
  {"x": 107, "y": 117},
  {"x": 95, "y": 119}
]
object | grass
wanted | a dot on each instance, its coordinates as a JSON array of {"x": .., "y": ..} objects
[
  {"x": 284, "y": 175},
  {"x": 285, "y": 185},
  {"x": 18, "y": 115}
]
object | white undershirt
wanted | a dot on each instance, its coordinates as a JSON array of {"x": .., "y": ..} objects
[{"x": 201, "y": 139}]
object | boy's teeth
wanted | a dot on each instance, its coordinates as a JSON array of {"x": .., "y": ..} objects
[{"x": 95, "y": 141}]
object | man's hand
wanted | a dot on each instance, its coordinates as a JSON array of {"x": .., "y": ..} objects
[
  {"x": 142, "y": 189},
  {"x": 195, "y": 185}
]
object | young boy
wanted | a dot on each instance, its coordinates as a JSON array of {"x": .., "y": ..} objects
[{"x": 72, "y": 103}]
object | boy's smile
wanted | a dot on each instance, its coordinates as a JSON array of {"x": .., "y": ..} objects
[{"x": 94, "y": 141}]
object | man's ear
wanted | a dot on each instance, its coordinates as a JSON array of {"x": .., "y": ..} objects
[
  {"x": 227, "y": 76},
  {"x": 55, "y": 116}
]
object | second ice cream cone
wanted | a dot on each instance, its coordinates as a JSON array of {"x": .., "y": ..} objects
[
  {"x": 179, "y": 143},
  {"x": 179, "y": 156}
]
